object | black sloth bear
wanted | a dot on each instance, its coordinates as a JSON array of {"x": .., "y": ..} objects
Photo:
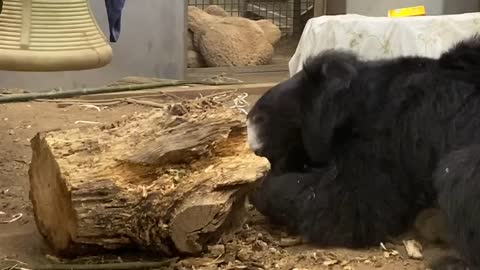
[{"x": 357, "y": 148}]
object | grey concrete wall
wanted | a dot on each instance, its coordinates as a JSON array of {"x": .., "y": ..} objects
[
  {"x": 336, "y": 7},
  {"x": 151, "y": 44},
  {"x": 461, "y": 6},
  {"x": 380, "y": 7}
]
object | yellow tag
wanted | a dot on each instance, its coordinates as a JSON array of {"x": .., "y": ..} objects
[{"x": 407, "y": 12}]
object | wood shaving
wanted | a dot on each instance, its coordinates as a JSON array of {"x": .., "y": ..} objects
[
  {"x": 13, "y": 219},
  {"x": 414, "y": 249}
]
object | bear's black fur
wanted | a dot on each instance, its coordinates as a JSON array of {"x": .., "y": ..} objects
[
  {"x": 353, "y": 146},
  {"x": 457, "y": 182}
]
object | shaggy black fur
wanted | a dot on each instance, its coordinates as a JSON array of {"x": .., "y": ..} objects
[
  {"x": 377, "y": 130},
  {"x": 457, "y": 181}
]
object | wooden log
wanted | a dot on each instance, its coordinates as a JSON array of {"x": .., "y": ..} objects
[{"x": 169, "y": 181}]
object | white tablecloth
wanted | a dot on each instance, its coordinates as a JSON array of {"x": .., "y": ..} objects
[{"x": 375, "y": 37}]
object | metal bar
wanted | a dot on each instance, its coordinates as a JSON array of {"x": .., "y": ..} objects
[
  {"x": 297, "y": 19},
  {"x": 289, "y": 15}
]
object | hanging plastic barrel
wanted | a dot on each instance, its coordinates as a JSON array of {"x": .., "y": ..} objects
[{"x": 51, "y": 35}]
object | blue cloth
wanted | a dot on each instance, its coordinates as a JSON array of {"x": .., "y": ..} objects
[{"x": 114, "y": 13}]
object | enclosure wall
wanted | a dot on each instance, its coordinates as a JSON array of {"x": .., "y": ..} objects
[
  {"x": 434, "y": 7},
  {"x": 151, "y": 44}
]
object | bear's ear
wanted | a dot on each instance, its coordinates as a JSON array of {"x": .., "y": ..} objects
[
  {"x": 332, "y": 66},
  {"x": 331, "y": 73},
  {"x": 344, "y": 72}
]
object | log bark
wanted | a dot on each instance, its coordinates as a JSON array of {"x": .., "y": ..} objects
[{"x": 169, "y": 181}]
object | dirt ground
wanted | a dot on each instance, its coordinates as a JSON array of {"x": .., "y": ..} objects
[{"x": 256, "y": 246}]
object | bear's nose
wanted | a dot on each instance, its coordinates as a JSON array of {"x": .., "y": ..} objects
[{"x": 258, "y": 152}]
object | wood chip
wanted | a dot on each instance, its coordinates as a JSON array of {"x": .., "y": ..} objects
[
  {"x": 413, "y": 248},
  {"x": 290, "y": 241},
  {"x": 330, "y": 262}
]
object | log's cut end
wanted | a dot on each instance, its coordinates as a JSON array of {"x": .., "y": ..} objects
[
  {"x": 201, "y": 214},
  {"x": 158, "y": 181},
  {"x": 50, "y": 196}
]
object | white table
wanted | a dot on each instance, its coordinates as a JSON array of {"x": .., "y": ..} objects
[{"x": 377, "y": 37}]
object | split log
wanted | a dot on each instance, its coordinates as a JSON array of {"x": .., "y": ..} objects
[{"x": 169, "y": 181}]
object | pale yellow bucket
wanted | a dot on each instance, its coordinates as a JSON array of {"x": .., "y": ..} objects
[{"x": 51, "y": 35}]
